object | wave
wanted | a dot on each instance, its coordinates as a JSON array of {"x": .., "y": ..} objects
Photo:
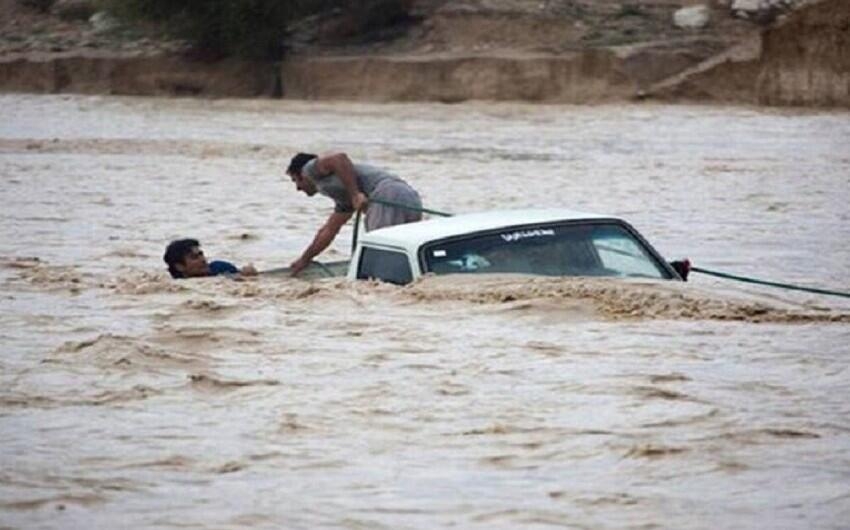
[
  {"x": 213, "y": 383},
  {"x": 120, "y": 352},
  {"x": 106, "y": 397},
  {"x": 40, "y": 274},
  {"x": 612, "y": 299},
  {"x": 580, "y": 298}
]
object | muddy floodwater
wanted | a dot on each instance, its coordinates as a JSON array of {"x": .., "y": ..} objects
[{"x": 129, "y": 400}]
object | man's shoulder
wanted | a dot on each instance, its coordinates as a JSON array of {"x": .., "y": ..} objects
[{"x": 311, "y": 169}]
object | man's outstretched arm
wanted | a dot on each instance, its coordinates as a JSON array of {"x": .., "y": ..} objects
[{"x": 323, "y": 238}]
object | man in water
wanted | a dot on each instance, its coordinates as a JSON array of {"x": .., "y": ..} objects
[
  {"x": 350, "y": 186},
  {"x": 185, "y": 259}
]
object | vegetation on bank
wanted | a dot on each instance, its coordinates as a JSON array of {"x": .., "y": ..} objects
[
  {"x": 247, "y": 28},
  {"x": 40, "y": 5},
  {"x": 255, "y": 29}
]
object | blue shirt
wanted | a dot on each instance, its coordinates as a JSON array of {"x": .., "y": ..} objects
[{"x": 222, "y": 267}]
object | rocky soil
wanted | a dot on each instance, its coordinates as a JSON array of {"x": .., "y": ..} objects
[{"x": 521, "y": 26}]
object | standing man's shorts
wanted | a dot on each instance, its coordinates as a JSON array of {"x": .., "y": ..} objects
[{"x": 397, "y": 191}]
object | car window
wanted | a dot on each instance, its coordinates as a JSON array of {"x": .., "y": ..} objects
[
  {"x": 620, "y": 251},
  {"x": 598, "y": 248},
  {"x": 385, "y": 265}
]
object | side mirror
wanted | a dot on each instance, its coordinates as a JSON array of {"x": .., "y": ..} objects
[{"x": 682, "y": 268}]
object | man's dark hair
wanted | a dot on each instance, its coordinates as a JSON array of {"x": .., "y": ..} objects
[
  {"x": 298, "y": 162},
  {"x": 176, "y": 252}
]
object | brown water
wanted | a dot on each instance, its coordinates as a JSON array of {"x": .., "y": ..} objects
[{"x": 128, "y": 399}]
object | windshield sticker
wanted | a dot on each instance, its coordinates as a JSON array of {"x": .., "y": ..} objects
[
  {"x": 524, "y": 234},
  {"x": 439, "y": 253}
]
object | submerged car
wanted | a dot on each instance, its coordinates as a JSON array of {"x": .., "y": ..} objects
[{"x": 551, "y": 242}]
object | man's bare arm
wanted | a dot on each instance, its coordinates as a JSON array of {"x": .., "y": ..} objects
[
  {"x": 340, "y": 165},
  {"x": 323, "y": 238}
]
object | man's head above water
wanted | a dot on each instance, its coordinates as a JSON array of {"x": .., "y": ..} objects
[{"x": 185, "y": 259}]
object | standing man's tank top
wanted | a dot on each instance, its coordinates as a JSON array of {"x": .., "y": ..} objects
[{"x": 368, "y": 178}]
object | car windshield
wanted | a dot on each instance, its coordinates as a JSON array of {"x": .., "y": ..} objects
[{"x": 605, "y": 248}]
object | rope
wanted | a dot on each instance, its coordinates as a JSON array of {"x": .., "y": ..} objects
[
  {"x": 324, "y": 267},
  {"x": 768, "y": 283},
  {"x": 356, "y": 232},
  {"x": 408, "y": 207}
]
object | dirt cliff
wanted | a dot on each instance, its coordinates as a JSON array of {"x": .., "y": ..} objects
[
  {"x": 802, "y": 60},
  {"x": 574, "y": 51}
]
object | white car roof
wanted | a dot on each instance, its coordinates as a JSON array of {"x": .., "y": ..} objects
[{"x": 412, "y": 235}]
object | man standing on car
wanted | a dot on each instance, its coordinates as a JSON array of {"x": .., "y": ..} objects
[{"x": 350, "y": 186}]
